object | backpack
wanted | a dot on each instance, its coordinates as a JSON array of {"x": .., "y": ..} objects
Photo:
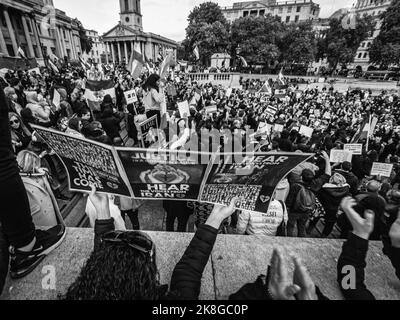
[{"x": 305, "y": 200}]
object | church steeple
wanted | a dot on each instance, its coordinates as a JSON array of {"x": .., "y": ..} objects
[{"x": 131, "y": 15}]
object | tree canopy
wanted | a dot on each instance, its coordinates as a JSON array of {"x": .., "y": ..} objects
[{"x": 385, "y": 49}]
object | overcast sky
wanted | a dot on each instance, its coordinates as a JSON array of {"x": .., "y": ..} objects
[{"x": 165, "y": 17}]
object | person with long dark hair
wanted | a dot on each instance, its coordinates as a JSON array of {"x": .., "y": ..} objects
[{"x": 153, "y": 97}]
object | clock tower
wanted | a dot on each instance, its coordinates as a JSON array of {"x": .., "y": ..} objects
[{"x": 130, "y": 14}]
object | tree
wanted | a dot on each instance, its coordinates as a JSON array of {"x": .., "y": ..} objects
[
  {"x": 86, "y": 42},
  {"x": 259, "y": 38},
  {"x": 340, "y": 44},
  {"x": 299, "y": 44},
  {"x": 385, "y": 49},
  {"x": 208, "y": 29}
]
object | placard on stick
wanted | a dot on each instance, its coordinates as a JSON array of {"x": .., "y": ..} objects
[
  {"x": 184, "y": 109},
  {"x": 306, "y": 131},
  {"x": 340, "y": 156},
  {"x": 382, "y": 169},
  {"x": 355, "y": 149}
]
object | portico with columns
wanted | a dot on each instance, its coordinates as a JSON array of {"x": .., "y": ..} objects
[{"x": 128, "y": 35}]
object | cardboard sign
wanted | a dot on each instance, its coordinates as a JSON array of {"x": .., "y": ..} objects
[
  {"x": 146, "y": 130},
  {"x": 211, "y": 109},
  {"x": 130, "y": 96},
  {"x": 306, "y": 131},
  {"x": 340, "y": 156},
  {"x": 56, "y": 98},
  {"x": 278, "y": 127},
  {"x": 355, "y": 149},
  {"x": 382, "y": 169},
  {"x": 184, "y": 109}
]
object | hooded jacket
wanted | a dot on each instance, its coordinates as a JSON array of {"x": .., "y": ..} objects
[
  {"x": 331, "y": 196},
  {"x": 351, "y": 180}
]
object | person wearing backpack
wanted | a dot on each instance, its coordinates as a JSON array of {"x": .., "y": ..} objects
[{"x": 301, "y": 199}]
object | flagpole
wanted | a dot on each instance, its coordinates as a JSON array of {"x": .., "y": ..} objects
[{"x": 369, "y": 132}]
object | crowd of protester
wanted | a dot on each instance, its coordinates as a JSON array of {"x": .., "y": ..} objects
[{"x": 360, "y": 207}]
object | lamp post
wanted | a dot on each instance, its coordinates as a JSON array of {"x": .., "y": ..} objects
[{"x": 238, "y": 51}]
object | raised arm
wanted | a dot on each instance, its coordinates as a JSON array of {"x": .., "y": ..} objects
[
  {"x": 352, "y": 261},
  {"x": 186, "y": 278}
]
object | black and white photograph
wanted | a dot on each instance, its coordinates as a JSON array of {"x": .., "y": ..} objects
[{"x": 199, "y": 156}]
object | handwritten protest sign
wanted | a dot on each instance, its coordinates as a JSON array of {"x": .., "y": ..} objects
[
  {"x": 164, "y": 174},
  {"x": 383, "y": 169},
  {"x": 355, "y": 149},
  {"x": 56, "y": 98},
  {"x": 184, "y": 109},
  {"x": 306, "y": 131},
  {"x": 87, "y": 163},
  {"x": 130, "y": 96},
  {"x": 340, "y": 156},
  {"x": 278, "y": 127},
  {"x": 254, "y": 179},
  {"x": 148, "y": 131}
]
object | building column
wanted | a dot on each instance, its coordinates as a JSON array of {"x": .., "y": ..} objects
[
  {"x": 126, "y": 52},
  {"x": 113, "y": 52},
  {"x": 59, "y": 44},
  {"x": 106, "y": 51},
  {"x": 119, "y": 51},
  {"x": 3, "y": 46},
  {"x": 36, "y": 34},
  {"x": 28, "y": 37},
  {"x": 72, "y": 44},
  {"x": 11, "y": 31}
]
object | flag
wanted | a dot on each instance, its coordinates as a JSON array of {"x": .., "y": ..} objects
[
  {"x": 266, "y": 88},
  {"x": 136, "y": 64},
  {"x": 96, "y": 90},
  {"x": 363, "y": 130},
  {"x": 21, "y": 53},
  {"x": 84, "y": 64},
  {"x": 53, "y": 66},
  {"x": 196, "y": 52},
  {"x": 244, "y": 62},
  {"x": 281, "y": 78},
  {"x": 165, "y": 65}
]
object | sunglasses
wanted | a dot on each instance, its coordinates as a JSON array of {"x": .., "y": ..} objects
[
  {"x": 135, "y": 239},
  {"x": 14, "y": 122}
]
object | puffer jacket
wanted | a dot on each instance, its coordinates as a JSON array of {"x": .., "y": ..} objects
[{"x": 258, "y": 223}]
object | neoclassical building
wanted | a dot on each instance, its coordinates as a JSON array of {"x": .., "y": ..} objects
[
  {"x": 372, "y": 8},
  {"x": 128, "y": 35},
  {"x": 22, "y": 25}
]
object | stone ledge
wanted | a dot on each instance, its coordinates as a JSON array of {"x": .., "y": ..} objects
[{"x": 235, "y": 261}]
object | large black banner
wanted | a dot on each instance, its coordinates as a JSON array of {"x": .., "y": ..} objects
[
  {"x": 163, "y": 174},
  {"x": 87, "y": 163},
  {"x": 254, "y": 179}
]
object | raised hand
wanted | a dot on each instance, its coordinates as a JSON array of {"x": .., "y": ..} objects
[
  {"x": 280, "y": 285},
  {"x": 302, "y": 278},
  {"x": 101, "y": 203},
  {"x": 361, "y": 227},
  {"x": 220, "y": 213}
]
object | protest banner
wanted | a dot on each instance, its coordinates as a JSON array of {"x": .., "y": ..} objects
[
  {"x": 130, "y": 96},
  {"x": 382, "y": 169},
  {"x": 254, "y": 179},
  {"x": 164, "y": 174},
  {"x": 184, "y": 109},
  {"x": 355, "y": 149},
  {"x": 306, "y": 131},
  {"x": 87, "y": 163},
  {"x": 56, "y": 98},
  {"x": 340, "y": 156},
  {"x": 148, "y": 131}
]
